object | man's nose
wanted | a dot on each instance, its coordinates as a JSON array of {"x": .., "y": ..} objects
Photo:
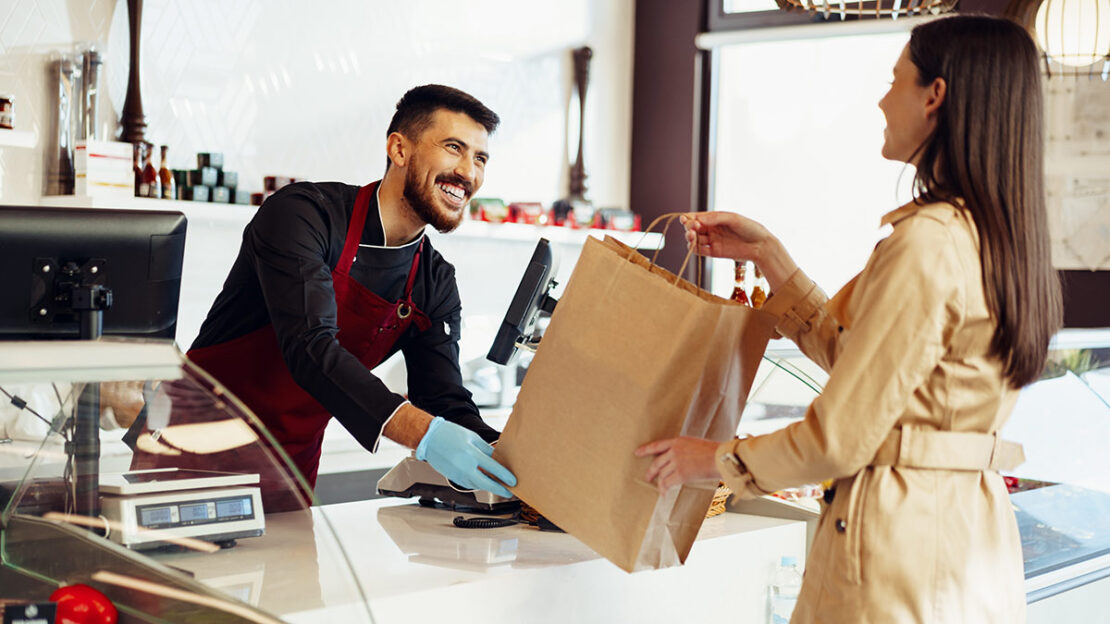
[{"x": 466, "y": 169}]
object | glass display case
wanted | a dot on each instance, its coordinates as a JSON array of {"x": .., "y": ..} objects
[
  {"x": 196, "y": 516},
  {"x": 125, "y": 468},
  {"x": 1061, "y": 493}
]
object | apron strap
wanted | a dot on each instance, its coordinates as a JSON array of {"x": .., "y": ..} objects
[
  {"x": 354, "y": 230},
  {"x": 412, "y": 271}
]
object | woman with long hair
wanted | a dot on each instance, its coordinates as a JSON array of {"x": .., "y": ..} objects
[{"x": 925, "y": 348}]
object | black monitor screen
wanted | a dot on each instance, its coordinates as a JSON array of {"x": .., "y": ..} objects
[
  {"x": 136, "y": 255},
  {"x": 531, "y": 298}
]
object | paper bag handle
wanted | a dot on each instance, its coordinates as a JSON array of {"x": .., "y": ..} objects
[{"x": 670, "y": 217}]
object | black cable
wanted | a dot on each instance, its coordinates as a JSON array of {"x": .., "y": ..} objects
[
  {"x": 478, "y": 522},
  {"x": 21, "y": 404}
]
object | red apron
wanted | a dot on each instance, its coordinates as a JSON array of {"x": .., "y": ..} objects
[{"x": 252, "y": 366}]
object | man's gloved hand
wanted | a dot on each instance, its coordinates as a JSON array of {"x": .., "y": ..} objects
[{"x": 457, "y": 453}]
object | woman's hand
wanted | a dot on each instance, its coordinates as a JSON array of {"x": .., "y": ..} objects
[
  {"x": 729, "y": 235},
  {"x": 679, "y": 460},
  {"x": 724, "y": 235}
]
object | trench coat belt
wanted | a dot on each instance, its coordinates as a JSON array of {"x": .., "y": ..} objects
[{"x": 914, "y": 447}]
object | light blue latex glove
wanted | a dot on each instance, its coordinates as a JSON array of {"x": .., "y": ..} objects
[{"x": 457, "y": 453}]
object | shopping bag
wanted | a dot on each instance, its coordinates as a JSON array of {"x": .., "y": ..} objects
[{"x": 632, "y": 354}]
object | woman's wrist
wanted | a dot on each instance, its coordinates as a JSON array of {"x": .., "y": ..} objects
[{"x": 775, "y": 263}]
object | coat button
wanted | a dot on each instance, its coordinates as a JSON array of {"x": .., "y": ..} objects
[{"x": 841, "y": 525}]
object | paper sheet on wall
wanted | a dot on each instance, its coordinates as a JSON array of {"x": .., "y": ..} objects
[{"x": 1077, "y": 182}]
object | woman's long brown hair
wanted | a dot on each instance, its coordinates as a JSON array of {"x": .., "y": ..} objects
[{"x": 988, "y": 148}]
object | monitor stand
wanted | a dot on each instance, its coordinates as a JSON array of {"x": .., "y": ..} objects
[{"x": 89, "y": 302}]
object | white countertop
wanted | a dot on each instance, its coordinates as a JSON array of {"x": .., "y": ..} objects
[{"x": 413, "y": 565}]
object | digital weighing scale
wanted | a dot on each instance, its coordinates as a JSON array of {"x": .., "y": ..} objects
[{"x": 145, "y": 507}]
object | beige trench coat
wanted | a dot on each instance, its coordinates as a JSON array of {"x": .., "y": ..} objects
[{"x": 921, "y": 528}]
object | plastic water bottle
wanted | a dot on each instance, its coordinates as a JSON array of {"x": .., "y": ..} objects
[{"x": 786, "y": 582}]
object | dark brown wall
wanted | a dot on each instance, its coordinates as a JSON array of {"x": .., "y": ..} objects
[
  {"x": 1086, "y": 298},
  {"x": 665, "y": 89}
]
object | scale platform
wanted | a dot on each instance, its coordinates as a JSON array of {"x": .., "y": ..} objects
[
  {"x": 146, "y": 507},
  {"x": 414, "y": 478}
]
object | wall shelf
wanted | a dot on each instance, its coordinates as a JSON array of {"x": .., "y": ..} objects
[
  {"x": 17, "y": 138},
  {"x": 206, "y": 211},
  {"x": 557, "y": 235},
  {"x": 238, "y": 213}
]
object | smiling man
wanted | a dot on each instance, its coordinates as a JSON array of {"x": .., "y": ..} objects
[{"x": 332, "y": 279}]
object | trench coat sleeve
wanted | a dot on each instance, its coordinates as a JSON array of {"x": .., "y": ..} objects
[
  {"x": 906, "y": 305},
  {"x": 800, "y": 308}
]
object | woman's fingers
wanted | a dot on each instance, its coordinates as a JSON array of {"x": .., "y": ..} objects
[
  {"x": 660, "y": 449},
  {"x": 654, "y": 448},
  {"x": 656, "y": 467}
]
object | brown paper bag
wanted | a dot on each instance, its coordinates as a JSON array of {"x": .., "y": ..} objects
[{"x": 632, "y": 354}]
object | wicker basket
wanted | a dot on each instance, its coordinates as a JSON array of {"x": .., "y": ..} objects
[{"x": 717, "y": 507}]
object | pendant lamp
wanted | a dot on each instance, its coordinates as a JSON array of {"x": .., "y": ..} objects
[
  {"x": 1073, "y": 35},
  {"x": 868, "y": 8}
]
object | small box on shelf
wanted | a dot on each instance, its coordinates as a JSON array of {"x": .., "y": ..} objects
[
  {"x": 220, "y": 195},
  {"x": 198, "y": 193},
  {"x": 103, "y": 168},
  {"x": 230, "y": 179},
  {"x": 214, "y": 160},
  {"x": 205, "y": 176},
  {"x": 241, "y": 196}
]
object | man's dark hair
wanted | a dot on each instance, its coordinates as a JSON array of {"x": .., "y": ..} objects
[{"x": 415, "y": 109}]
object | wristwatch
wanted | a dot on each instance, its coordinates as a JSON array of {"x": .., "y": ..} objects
[{"x": 728, "y": 463}]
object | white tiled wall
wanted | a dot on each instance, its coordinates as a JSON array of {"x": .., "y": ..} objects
[{"x": 307, "y": 88}]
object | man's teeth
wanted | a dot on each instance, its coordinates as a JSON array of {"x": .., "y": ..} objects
[{"x": 453, "y": 191}]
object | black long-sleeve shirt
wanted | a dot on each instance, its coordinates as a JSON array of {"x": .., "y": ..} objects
[{"x": 283, "y": 276}]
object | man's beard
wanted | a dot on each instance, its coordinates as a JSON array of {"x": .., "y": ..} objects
[{"x": 423, "y": 201}]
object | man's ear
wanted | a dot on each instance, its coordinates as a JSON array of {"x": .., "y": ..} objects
[
  {"x": 397, "y": 148},
  {"x": 938, "y": 90}
]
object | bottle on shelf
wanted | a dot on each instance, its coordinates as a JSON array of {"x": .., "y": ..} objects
[
  {"x": 739, "y": 294},
  {"x": 149, "y": 185},
  {"x": 165, "y": 178},
  {"x": 759, "y": 290},
  {"x": 786, "y": 583},
  {"x": 137, "y": 166}
]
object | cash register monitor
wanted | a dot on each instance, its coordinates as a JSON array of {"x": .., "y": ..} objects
[
  {"x": 61, "y": 265},
  {"x": 79, "y": 273},
  {"x": 531, "y": 299}
]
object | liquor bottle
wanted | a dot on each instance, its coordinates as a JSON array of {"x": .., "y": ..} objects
[
  {"x": 759, "y": 290},
  {"x": 137, "y": 166},
  {"x": 738, "y": 293},
  {"x": 149, "y": 185},
  {"x": 165, "y": 178}
]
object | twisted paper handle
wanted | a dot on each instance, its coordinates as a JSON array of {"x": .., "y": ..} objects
[{"x": 670, "y": 218}]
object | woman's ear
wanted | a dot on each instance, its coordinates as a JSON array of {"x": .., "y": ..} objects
[
  {"x": 397, "y": 148},
  {"x": 934, "y": 97}
]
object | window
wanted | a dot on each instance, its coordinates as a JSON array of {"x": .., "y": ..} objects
[{"x": 796, "y": 145}]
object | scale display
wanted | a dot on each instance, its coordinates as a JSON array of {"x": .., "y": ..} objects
[{"x": 229, "y": 509}]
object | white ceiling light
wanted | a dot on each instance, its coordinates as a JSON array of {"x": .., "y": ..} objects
[{"x": 1074, "y": 32}]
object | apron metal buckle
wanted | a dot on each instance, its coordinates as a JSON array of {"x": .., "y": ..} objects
[{"x": 403, "y": 310}]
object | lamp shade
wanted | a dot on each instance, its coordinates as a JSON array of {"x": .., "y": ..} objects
[{"x": 1074, "y": 32}]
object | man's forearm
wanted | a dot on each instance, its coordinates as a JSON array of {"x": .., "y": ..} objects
[{"x": 408, "y": 425}]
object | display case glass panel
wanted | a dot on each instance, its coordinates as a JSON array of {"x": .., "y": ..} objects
[
  {"x": 125, "y": 467},
  {"x": 1061, "y": 493}
]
